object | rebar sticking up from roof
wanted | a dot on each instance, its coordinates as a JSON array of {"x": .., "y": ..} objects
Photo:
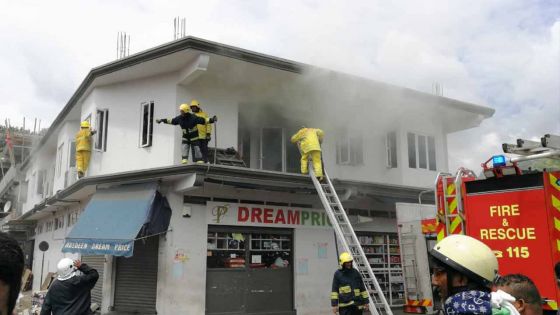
[
  {"x": 179, "y": 28},
  {"x": 123, "y": 45}
]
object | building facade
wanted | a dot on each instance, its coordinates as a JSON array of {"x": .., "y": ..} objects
[{"x": 250, "y": 239}]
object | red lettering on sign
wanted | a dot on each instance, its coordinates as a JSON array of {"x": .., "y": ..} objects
[
  {"x": 293, "y": 217},
  {"x": 267, "y": 215},
  {"x": 256, "y": 215},
  {"x": 280, "y": 217},
  {"x": 242, "y": 214}
]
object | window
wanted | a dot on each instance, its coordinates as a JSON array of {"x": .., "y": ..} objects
[
  {"x": 72, "y": 155},
  {"x": 59, "y": 159},
  {"x": 147, "y": 124},
  {"x": 58, "y": 223},
  {"x": 39, "y": 228},
  {"x": 40, "y": 182},
  {"x": 49, "y": 225},
  {"x": 72, "y": 218},
  {"x": 391, "y": 144},
  {"x": 421, "y": 151},
  {"x": 349, "y": 150},
  {"x": 102, "y": 119}
]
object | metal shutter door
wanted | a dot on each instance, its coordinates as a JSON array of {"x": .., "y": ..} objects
[
  {"x": 97, "y": 263},
  {"x": 136, "y": 279}
]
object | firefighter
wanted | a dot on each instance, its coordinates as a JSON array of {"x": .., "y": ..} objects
[
  {"x": 83, "y": 147},
  {"x": 11, "y": 270},
  {"x": 309, "y": 143},
  {"x": 349, "y": 295},
  {"x": 204, "y": 131},
  {"x": 188, "y": 123},
  {"x": 464, "y": 270},
  {"x": 70, "y": 293}
]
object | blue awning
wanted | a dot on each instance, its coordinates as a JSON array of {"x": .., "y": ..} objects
[{"x": 116, "y": 217}]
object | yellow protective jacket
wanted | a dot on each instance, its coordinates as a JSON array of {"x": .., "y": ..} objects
[
  {"x": 204, "y": 131},
  {"x": 309, "y": 139},
  {"x": 83, "y": 140}
]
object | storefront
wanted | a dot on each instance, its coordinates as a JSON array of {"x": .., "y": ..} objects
[{"x": 257, "y": 253}]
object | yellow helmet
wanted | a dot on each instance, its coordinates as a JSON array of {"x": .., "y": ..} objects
[
  {"x": 184, "y": 107},
  {"x": 84, "y": 124},
  {"x": 195, "y": 103},
  {"x": 345, "y": 257},
  {"x": 469, "y": 257}
]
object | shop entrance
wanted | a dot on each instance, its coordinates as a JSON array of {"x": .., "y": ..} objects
[{"x": 249, "y": 271}]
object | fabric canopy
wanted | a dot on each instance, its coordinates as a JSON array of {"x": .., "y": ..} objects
[{"x": 116, "y": 217}]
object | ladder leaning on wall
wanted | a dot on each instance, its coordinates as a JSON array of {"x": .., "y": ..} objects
[{"x": 345, "y": 233}]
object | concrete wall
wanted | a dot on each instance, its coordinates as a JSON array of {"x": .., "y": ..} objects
[{"x": 123, "y": 101}]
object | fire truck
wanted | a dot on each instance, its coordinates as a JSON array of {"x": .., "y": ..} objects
[{"x": 515, "y": 211}]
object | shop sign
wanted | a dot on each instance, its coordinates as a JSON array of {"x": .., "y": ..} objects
[{"x": 264, "y": 215}]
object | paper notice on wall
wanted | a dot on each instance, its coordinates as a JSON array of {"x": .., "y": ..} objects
[
  {"x": 322, "y": 250},
  {"x": 302, "y": 266},
  {"x": 256, "y": 259}
]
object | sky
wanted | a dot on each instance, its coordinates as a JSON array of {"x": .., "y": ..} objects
[{"x": 504, "y": 54}]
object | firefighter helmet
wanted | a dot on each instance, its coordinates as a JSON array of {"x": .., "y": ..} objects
[
  {"x": 84, "y": 124},
  {"x": 345, "y": 257},
  {"x": 195, "y": 103},
  {"x": 184, "y": 107},
  {"x": 65, "y": 269},
  {"x": 467, "y": 256}
]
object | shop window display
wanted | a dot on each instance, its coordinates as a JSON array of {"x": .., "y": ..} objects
[{"x": 265, "y": 250}]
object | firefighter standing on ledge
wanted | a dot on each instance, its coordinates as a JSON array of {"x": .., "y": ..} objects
[
  {"x": 309, "y": 144},
  {"x": 83, "y": 147},
  {"x": 188, "y": 123}
]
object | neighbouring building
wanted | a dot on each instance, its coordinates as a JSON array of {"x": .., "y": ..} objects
[{"x": 248, "y": 237}]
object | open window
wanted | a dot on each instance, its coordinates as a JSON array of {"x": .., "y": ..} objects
[
  {"x": 101, "y": 120},
  {"x": 146, "y": 124}
]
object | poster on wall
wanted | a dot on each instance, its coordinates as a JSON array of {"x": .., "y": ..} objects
[{"x": 266, "y": 216}]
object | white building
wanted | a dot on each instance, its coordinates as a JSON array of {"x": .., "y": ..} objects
[{"x": 229, "y": 224}]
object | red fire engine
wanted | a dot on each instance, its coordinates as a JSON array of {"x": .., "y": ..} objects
[{"x": 514, "y": 212}]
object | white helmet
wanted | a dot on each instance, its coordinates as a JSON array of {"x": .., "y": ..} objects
[
  {"x": 66, "y": 269},
  {"x": 468, "y": 256}
]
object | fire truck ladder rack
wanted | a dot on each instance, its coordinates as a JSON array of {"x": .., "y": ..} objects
[
  {"x": 452, "y": 190},
  {"x": 345, "y": 233},
  {"x": 548, "y": 147}
]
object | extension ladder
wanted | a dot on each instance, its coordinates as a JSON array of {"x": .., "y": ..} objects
[{"x": 345, "y": 233}]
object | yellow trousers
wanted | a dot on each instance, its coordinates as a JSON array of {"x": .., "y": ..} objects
[
  {"x": 317, "y": 164},
  {"x": 82, "y": 160}
]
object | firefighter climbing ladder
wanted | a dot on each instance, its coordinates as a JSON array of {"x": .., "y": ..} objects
[{"x": 377, "y": 302}]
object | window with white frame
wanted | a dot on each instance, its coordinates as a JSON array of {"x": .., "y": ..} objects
[
  {"x": 58, "y": 223},
  {"x": 101, "y": 121},
  {"x": 39, "y": 228},
  {"x": 59, "y": 159},
  {"x": 72, "y": 154},
  {"x": 349, "y": 150},
  {"x": 49, "y": 225},
  {"x": 391, "y": 146},
  {"x": 72, "y": 218},
  {"x": 41, "y": 181},
  {"x": 146, "y": 124},
  {"x": 421, "y": 151}
]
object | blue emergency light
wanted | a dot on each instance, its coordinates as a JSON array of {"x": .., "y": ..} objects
[{"x": 498, "y": 160}]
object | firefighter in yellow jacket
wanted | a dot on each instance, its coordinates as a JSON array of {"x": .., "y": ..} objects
[
  {"x": 83, "y": 148},
  {"x": 204, "y": 133},
  {"x": 309, "y": 142}
]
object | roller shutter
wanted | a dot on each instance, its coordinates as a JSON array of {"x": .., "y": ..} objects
[
  {"x": 98, "y": 263},
  {"x": 136, "y": 279}
]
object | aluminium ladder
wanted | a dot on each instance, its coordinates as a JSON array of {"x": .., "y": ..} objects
[{"x": 345, "y": 233}]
